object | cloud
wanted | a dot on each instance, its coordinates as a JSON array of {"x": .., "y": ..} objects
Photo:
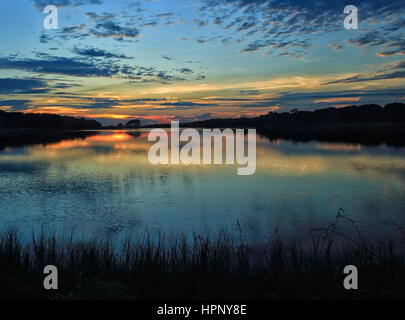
[
  {"x": 78, "y": 67},
  {"x": 338, "y": 99},
  {"x": 100, "y": 17},
  {"x": 369, "y": 39},
  {"x": 110, "y": 29},
  {"x": 389, "y": 72},
  {"x": 390, "y": 42},
  {"x": 59, "y": 65},
  {"x": 249, "y": 92},
  {"x": 44, "y": 38},
  {"x": 280, "y": 21},
  {"x": 41, "y": 4},
  {"x": 73, "y": 29},
  {"x": 280, "y": 27},
  {"x": 15, "y": 105},
  {"x": 105, "y": 25},
  {"x": 335, "y": 47},
  {"x": 187, "y": 104},
  {"x": 74, "y": 32},
  {"x": 396, "y": 48},
  {"x": 99, "y": 53},
  {"x": 200, "y": 77},
  {"x": 372, "y": 77},
  {"x": 65, "y": 33},
  {"x": 399, "y": 65},
  {"x": 23, "y": 86},
  {"x": 149, "y": 75},
  {"x": 185, "y": 70},
  {"x": 201, "y": 40},
  {"x": 167, "y": 58},
  {"x": 298, "y": 45}
]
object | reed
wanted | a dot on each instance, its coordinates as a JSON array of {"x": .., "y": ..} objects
[{"x": 195, "y": 266}]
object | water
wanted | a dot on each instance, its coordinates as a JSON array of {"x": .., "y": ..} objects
[{"x": 105, "y": 185}]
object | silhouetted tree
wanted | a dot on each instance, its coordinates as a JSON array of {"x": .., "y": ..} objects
[
  {"x": 293, "y": 111},
  {"x": 133, "y": 123}
]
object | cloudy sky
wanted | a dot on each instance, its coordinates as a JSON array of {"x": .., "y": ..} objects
[{"x": 159, "y": 60}]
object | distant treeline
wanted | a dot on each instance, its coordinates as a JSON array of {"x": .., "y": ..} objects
[
  {"x": 364, "y": 114},
  {"x": 19, "y": 120}
]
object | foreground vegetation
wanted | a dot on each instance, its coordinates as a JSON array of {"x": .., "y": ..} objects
[{"x": 197, "y": 267}]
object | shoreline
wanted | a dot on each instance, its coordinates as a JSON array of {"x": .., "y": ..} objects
[{"x": 367, "y": 134}]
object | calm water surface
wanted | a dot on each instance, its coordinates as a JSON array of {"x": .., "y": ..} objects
[{"x": 105, "y": 184}]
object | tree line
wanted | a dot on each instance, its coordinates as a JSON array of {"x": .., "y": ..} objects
[
  {"x": 364, "y": 114},
  {"x": 42, "y": 121}
]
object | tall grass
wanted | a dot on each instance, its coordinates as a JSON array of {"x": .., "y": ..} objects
[{"x": 223, "y": 265}]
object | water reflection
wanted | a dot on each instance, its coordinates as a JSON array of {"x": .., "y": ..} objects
[{"x": 104, "y": 183}]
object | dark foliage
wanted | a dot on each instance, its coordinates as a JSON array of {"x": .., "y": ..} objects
[
  {"x": 222, "y": 266},
  {"x": 366, "y": 124},
  {"x": 133, "y": 123},
  {"x": 42, "y": 121},
  {"x": 364, "y": 114}
]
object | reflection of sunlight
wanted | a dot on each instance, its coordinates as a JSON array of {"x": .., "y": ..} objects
[
  {"x": 119, "y": 153},
  {"x": 67, "y": 144},
  {"x": 111, "y": 137},
  {"x": 275, "y": 162}
]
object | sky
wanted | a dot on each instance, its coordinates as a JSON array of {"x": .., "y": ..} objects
[{"x": 187, "y": 60}]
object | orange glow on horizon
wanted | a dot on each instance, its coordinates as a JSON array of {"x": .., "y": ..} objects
[
  {"x": 338, "y": 99},
  {"x": 338, "y": 106}
]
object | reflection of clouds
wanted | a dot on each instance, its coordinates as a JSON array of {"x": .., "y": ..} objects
[
  {"x": 338, "y": 146},
  {"x": 119, "y": 153},
  {"x": 380, "y": 165},
  {"x": 107, "y": 184},
  {"x": 138, "y": 147},
  {"x": 275, "y": 161}
]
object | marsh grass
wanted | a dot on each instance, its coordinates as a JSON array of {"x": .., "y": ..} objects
[{"x": 224, "y": 266}]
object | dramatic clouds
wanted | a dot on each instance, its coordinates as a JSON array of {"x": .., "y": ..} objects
[
  {"x": 61, "y": 65},
  {"x": 23, "y": 86},
  {"x": 81, "y": 67},
  {"x": 15, "y": 105},
  {"x": 390, "y": 72},
  {"x": 291, "y": 25},
  {"x": 110, "y": 29},
  {"x": 41, "y": 4},
  {"x": 195, "y": 59},
  {"x": 94, "y": 52}
]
